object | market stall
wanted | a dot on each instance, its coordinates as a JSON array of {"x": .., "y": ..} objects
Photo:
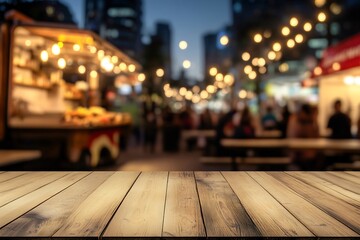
[
  {"x": 339, "y": 78},
  {"x": 55, "y": 83}
]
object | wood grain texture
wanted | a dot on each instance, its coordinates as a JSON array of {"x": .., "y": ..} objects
[
  {"x": 342, "y": 211},
  {"x": 349, "y": 185},
  {"x": 270, "y": 217},
  {"x": 348, "y": 177},
  {"x": 92, "y": 216},
  {"x": 182, "y": 211},
  {"x": 317, "y": 221},
  {"x": 356, "y": 174},
  {"x": 27, "y": 202},
  {"x": 328, "y": 187},
  {"x": 142, "y": 211},
  {"x": 47, "y": 218},
  {"x": 5, "y": 176},
  {"x": 222, "y": 211},
  {"x": 22, "y": 185}
]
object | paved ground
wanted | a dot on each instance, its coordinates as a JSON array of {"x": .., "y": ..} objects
[{"x": 136, "y": 159}]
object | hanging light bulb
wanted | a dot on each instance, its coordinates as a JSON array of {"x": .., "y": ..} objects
[
  {"x": 61, "y": 63},
  {"x": 81, "y": 69},
  {"x": 55, "y": 49},
  {"x": 44, "y": 56}
]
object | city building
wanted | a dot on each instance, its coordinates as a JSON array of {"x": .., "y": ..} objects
[
  {"x": 53, "y": 11},
  {"x": 163, "y": 34},
  {"x": 216, "y": 54},
  {"x": 156, "y": 58},
  {"x": 292, "y": 64},
  {"x": 118, "y": 21}
]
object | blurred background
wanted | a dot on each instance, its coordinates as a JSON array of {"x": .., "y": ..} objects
[{"x": 157, "y": 85}]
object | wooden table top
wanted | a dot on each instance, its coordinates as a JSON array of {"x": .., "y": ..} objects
[
  {"x": 295, "y": 143},
  {"x": 14, "y": 156},
  {"x": 179, "y": 204}
]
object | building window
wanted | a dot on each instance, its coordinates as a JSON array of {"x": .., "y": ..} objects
[
  {"x": 50, "y": 10},
  {"x": 317, "y": 43},
  {"x": 321, "y": 28},
  {"x": 112, "y": 33},
  {"x": 237, "y": 7},
  {"x": 335, "y": 29},
  {"x": 128, "y": 23},
  {"x": 121, "y": 12}
]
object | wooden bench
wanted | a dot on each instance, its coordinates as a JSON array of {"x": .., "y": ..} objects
[
  {"x": 247, "y": 160},
  {"x": 16, "y": 156}
]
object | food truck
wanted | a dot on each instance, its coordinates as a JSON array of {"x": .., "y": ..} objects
[
  {"x": 51, "y": 84},
  {"x": 338, "y": 76}
]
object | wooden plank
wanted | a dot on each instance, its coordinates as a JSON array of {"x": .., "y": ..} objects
[
  {"x": 274, "y": 220},
  {"x": 317, "y": 221},
  {"x": 342, "y": 211},
  {"x": 18, "y": 207},
  {"x": 351, "y": 186},
  {"x": 223, "y": 214},
  {"x": 142, "y": 211},
  {"x": 356, "y": 174},
  {"x": 22, "y": 185},
  {"x": 91, "y": 217},
  {"x": 182, "y": 211},
  {"x": 348, "y": 177},
  {"x": 328, "y": 187},
  {"x": 47, "y": 218},
  {"x": 9, "y": 175}
]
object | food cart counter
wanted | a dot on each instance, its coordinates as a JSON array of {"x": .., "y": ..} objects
[{"x": 56, "y": 80}]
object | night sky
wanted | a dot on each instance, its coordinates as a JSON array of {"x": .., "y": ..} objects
[{"x": 189, "y": 20}]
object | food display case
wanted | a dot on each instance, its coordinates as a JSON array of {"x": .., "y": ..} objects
[{"x": 53, "y": 91}]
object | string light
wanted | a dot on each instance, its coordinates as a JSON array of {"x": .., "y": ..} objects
[
  {"x": 210, "y": 89},
  {"x": 261, "y": 62},
  {"x": 219, "y": 77},
  {"x": 81, "y": 69},
  {"x": 55, "y": 49},
  {"x": 229, "y": 79},
  {"x": 44, "y": 56},
  {"x": 242, "y": 94},
  {"x": 141, "y": 77},
  {"x": 160, "y": 72},
  {"x": 245, "y": 56},
  {"x": 76, "y": 47},
  {"x": 284, "y": 67},
  {"x": 321, "y": 17},
  {"x": 276, "y": 47},
  {"x": 294, "y": 21},
  {"x": 307, "y": 27},
  {"x": 299, "y": 38},
  {"x": 252, "y": 75},
  {"x": 285, "y": 31},
  {"x": 131, "y": 68},
  {"x": 183, "y": 91},
  {"x": 255, "y": 61},
  {"x": 271, "y": 55},
  {"x": 258, "y": 38},
  {"x": 318, "y": 71},
  {"x": 247, "y": 69},
  {"x": 290, "y": 43},
  {"x": 61, "y": 63},
  {"x": 213, "y": 71}
]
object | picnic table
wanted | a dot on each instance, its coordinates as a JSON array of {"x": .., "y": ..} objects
[
  {"x": 117, "y": 205},
  {"x": 321, "y": 144}
]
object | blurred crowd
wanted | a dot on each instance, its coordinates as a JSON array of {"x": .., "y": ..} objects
[{"x": 151, "y": 123}]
